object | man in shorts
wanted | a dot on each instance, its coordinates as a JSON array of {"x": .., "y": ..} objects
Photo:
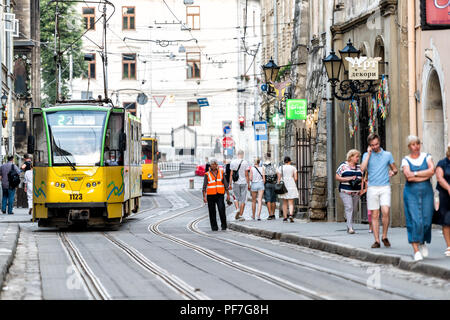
[
  {"x": 380, "y": 167},
  {"x": 241, "y": 185}
]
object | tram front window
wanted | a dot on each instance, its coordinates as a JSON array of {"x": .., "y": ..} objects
[
  {"x": 76, "y": 137},
  {"x": 147, "y": 151}
]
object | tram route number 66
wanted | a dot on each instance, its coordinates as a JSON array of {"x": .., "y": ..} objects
[{"x": 76, "y": 196}]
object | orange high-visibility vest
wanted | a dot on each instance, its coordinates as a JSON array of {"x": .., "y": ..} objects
[{"x": 215, "y": 184}]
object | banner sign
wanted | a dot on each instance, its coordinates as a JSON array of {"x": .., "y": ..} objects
[
  {"x": 363, "y": 68},
  {"x": 435, "y": 14},
  {"x": 296, "y": 109},
  {"x": 260, "y": 130}
]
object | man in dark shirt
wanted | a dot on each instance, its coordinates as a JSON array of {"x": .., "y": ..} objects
[
  {"x": 8, "y": 193},
  {"x": 26, "y": 163}
]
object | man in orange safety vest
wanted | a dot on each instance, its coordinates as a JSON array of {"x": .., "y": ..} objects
[{"x": 214, "y": 187}]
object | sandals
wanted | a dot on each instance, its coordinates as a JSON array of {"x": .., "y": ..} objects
[
  {"x": 291, "y": 218},
  {"x": 447, "y": 252}
]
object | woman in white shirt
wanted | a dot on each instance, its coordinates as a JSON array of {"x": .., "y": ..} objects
[
  {"x": 257, "y": 179},
  {"x": 28, "y": 188},
  {"x": 288, "y": 174}
]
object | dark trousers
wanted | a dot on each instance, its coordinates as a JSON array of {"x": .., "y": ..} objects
[{"x": 213, "y": 200}]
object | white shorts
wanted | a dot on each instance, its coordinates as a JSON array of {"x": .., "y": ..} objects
[{"x": 378, "y": 196}]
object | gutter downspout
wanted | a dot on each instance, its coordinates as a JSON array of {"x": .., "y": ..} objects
[{"x": 412, "y": 68}]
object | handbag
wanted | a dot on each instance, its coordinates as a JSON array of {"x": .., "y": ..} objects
[{"x": 280, "y": 188}]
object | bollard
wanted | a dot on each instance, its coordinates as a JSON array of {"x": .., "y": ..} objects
[{"x": 191, "y": 183}]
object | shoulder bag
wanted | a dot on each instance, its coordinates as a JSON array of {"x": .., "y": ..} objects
[{"x": 280, "y": 188}]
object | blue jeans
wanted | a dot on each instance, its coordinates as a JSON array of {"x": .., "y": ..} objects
[{"x": 8, "y": 197}]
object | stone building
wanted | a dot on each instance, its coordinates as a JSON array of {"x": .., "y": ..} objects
[{"x": 378, "y": 29}]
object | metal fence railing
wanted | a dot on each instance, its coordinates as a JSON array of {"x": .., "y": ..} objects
[{"x": 176, "y": 168}]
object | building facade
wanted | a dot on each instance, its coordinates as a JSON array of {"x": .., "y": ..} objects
[{"x": 175, "y": 54}]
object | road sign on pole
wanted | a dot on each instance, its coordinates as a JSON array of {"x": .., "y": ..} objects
[
  {"x": 260, "y": 130},
  {"x": 202, "y": 102}
]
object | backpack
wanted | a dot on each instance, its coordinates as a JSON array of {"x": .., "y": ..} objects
[
  {"x": 236, "y": 173},
  {"x": 271, "y": 173},
  {"x": 13, "y": 178}
]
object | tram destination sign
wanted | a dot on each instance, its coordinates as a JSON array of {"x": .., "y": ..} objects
[{"x": 363, "y": 68}]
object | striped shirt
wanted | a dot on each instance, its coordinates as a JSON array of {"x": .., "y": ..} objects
[{"x": 345, "y": 170}]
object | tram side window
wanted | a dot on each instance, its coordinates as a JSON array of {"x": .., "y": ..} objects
[
  {"x": 40, "y": 149},
  {"x": 113, "y": 156}
]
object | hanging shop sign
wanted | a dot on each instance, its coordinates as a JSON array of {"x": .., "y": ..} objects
[
  {"x": 203, "y": 102},
  {"x": 363, "y": 68},
  {"x": 296, "y": 109},
  {"x": 435, "y": 14}
]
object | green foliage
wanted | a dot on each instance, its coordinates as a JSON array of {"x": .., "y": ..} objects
[
  {"x": 70, "y": 29},
  {"x": 284, "y": 70}
]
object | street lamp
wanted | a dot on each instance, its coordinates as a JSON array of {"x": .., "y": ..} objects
[
  {"x": 21, "y": 114},
  {"x": 270, "y": 74},
  {"x": 348, "y": 89}
]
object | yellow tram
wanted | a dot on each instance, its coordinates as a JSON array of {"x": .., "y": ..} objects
[
  {"x": 150, "y": 157},
  {"x": 87, "y": 164}
]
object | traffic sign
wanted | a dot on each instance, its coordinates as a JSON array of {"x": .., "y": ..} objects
[
  {"x": 227, "y": 142},
  {"x": 260, "y": 130},
  {"x": 296, "y": 109},
  {"x": 202, "y": 102}
]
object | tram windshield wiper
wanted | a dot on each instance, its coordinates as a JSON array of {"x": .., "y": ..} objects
[{"x": 63, "y": 155}]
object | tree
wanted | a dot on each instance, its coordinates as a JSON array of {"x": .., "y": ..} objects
[{"x": 70, "y": 32}]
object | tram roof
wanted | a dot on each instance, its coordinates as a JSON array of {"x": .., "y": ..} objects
[{"x": 81, "y": 106}]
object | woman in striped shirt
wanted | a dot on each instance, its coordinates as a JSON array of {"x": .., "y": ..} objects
[{"x": 349, "y": 175}]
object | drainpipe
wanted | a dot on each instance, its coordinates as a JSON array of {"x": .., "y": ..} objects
[{"x": 412, "y": 68}]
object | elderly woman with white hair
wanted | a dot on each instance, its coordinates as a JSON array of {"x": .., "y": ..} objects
[
  {"x": 349, "y": 175},
  {"x": 418, "y": 197}
]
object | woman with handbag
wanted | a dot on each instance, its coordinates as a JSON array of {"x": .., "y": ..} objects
[
  {"x": 349, "y": 175},
  {"x": 287, "y": 174},
  {"x": 443, "y": 186},
  {"x": 257, "y": 178}
]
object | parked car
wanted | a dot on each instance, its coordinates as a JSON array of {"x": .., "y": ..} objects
[{"x": 200, "y": 171}]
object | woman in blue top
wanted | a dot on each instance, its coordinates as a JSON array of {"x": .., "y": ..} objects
[
  {"x": 443, "y": 186},
  {"x": 418, "y": 197}
]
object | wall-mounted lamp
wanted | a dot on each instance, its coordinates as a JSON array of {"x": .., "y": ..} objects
[{"x": 21, "y": 114}]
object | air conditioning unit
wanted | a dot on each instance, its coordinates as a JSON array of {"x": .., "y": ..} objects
[{"x": 186, "y": 2}]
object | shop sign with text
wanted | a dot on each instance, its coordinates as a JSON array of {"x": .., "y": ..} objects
[
  {"x": 363, "y": 68},
  {"x": 435, "y": 14}
]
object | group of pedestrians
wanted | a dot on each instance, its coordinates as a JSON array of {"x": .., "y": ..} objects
[
  {"x": 10, "y": 177},
  {"x": 259, "y": 179},
  {"x": 373, "y": 176}
]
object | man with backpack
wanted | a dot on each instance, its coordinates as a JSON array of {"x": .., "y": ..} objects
[
  {"x": 241, "y": 182},
  {"x": 10, "y": 181},
  {"x": 270, "y": 197}
]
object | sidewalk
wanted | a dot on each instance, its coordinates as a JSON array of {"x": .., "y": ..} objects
[
  {"x": 333, "y": 237},
  {"x": 9, "y": 235}
]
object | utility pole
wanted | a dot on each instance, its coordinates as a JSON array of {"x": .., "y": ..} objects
[
  {"x": 1, "y": 89},
  {"x": 9, "y": 54}
]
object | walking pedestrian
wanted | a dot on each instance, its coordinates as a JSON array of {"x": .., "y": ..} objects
[
  {"x": 349, "y": 175},
  {"x": 443, "y": 186},
  {"x": 369, "y": 212},
  {"x": 241, "y": 182},
  {"x": 380, "y": 167},
  {"x": 418, "y": 197},
  {"x": 214, "y": 187},
  {"x": 26, "y": 163},
  {"x": 270, "y": 197},
  {"x": 228, "y": 176},
  {"x": 257, "y": 178},
  {"x": 28, "y": 183},
  {"x": 288, "y": 173},
  {"x": 10, "y": 180}
]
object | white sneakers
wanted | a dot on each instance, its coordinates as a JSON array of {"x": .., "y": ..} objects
[
  {"x": 447, "y": 252},
  {"x": 423, "y": 250},
  {"x": 418, "y": 256}
]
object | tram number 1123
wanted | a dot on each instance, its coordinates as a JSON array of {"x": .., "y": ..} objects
[{"x": 78, "y": 196}]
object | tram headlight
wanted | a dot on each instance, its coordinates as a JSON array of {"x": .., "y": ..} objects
[
  {"x": 57, "y": 184},
  {"x": 88, "y": 185},
  {"x": 149, "y": 175},
  {"x": 94, "y": 184},
  {"x": 62, "y": 185}
]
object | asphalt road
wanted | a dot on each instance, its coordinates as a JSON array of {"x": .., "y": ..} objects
[{"x": 168, "y": 252}]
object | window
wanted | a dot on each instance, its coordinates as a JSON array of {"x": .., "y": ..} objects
[
  {"x": 86, "y": 95},
  {"x": 193, "y": 63},
  {"x": 131, "y": 107},
  {"x": 128, "y": 18},
  {"x": 89, "y": 18},
  {"x": 129, "y": 66},
  {"x": 112, "y": 155},
  {"x": 193, "y": 17},
  {"x": 194, "y": 114},
  {"x": 91, "y": 71}
]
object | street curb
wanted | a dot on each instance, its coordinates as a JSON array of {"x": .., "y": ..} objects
[
  {"x": 346, "y": 251},
  {"x": 8, "y": 241}
]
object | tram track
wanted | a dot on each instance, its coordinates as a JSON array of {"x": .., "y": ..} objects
[
  {"x": 193, "y": 227},
  {"x": 274, "y": 280},
  {"x": 91, "y": 283}
]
